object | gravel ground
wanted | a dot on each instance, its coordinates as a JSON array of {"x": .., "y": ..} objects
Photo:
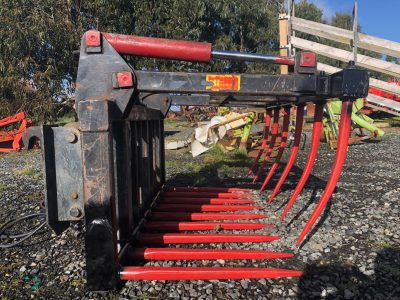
[{"x": 353, "y": 253}]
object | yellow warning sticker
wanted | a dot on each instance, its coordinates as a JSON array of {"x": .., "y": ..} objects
[{"x": 223, "y": 82}]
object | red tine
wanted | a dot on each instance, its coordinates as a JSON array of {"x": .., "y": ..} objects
[
  {"x": 293, "y": 153},
  {"x": 275, "y": 127},
  {"x": 199, "y": 238},
  {"x": 171, "y": 226},
  {"x": 203, "y": 207},
  {"x": 264, "y": 140},
  {"x": 284, "y": 134},
  {"x": 207, "y": 195},
  {"x": 207, "y": 189},
  {"x": 182, "y": 216},
  {"x": 202, "y": 273},
  {"x": 205, "y": 201},
  {"x": 199, "y": 254},
  {"x": 316, "y": 135},
  {"x": 341, "y": 152}
]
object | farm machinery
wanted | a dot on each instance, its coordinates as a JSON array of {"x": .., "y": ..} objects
[
  {"x": 109, "y": 168},
  {"x": 362, "y": 123},
  {"x": 11, "y": 140}
]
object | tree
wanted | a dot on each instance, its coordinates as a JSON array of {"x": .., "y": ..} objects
[{"x": 37, "y": 40}]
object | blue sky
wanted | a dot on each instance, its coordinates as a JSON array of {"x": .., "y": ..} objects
[{"x": 378, "y": 18}]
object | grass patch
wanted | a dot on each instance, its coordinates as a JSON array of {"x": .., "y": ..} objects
[
  {"x": 235, "y": 158},
  {"x": 3, "y": 188},
  {"x": 30, "y": 172},
  {"x": 69, "y": 118}
]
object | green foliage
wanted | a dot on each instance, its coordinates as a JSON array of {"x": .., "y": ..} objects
[
  {"x": 37, "y": 67},
  {"x": 37, "y": 40}
]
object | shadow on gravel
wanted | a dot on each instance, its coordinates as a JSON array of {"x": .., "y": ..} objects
[
  {"x": 212, "y": 175},
  {"x": 348, "y": 282}
]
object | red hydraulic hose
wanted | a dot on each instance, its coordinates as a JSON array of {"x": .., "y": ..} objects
[{"x": 341, "y": 152}]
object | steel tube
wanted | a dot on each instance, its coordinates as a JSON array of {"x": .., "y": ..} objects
[
  {"x": 252, "y": 57},
  {"x": 159, "y": 48}
]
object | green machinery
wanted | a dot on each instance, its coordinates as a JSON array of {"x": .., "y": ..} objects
[{"x": 360, "y": 121}]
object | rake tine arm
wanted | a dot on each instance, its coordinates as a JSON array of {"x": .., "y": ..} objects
[
  {"x": 316, "y": 135},
  {"x": 274, "y": 133},
  {"x": 284, "y": 135},
  {"x": 293, "y": 153},
  {"x": 341, "y": 152},
  {"x": 264, "y": 140}
]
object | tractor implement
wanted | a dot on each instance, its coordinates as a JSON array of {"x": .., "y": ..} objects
[
  {"x": 11, "y": 140},
  {"x": 109, "y": 169}
]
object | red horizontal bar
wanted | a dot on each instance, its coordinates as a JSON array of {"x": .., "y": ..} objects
[
  {"x": 196, "y": 194},
  {"x": 192, "y": 238},
  {"x": 203, "y": 208},
  {"x": 180, "y": 226},
  {"x": 202, "y": 273},
  {"x": 208, "y": 189},
  {"x": 205, "y": 201},
  {"x": 207, "y": 254},
  {"x": 180, "y": 216},
  {"x": 159, "y": 48}
]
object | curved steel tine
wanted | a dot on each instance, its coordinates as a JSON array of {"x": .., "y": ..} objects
[
  {"x": 340, "y": 157},
  {"x": 274, "y": 133},
  {"x": 264, "y": 140},
  {"x": 316, "y": 135},
  {"x": 293, "y": 153},
  {"x": 284, "y": 135}
]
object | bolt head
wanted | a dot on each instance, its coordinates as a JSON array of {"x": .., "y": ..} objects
[
  {"x": 71, "y": 137},
  {"x": 75, "y": 212},
  {"x": 74, "y": 195}
]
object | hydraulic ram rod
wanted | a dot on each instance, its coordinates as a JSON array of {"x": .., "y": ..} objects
[{"x": 177, "y": 49}]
